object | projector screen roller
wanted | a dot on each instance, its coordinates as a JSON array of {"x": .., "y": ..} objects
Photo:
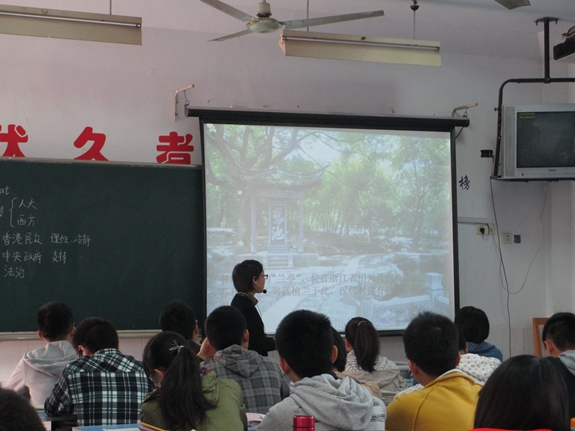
[{"x": 346, "y": 221}]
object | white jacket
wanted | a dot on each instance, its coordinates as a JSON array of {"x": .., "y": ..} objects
[
  {"x": 336, "y": 405},
  {"x": 41, "y": 368},
  {"x": 385, "y": 375}
]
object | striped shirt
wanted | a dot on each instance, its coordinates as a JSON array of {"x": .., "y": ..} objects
[{"x": 104, "y": 389}]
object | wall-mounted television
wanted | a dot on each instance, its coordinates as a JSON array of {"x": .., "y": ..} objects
[{"x": 538, "y": 142}]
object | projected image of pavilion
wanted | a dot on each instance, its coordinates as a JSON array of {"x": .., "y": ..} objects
[
  {"x": 346, "y": 223},
  {"x": 275, "y": 190}
]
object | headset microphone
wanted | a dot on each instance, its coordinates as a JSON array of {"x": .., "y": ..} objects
[{"x": 264, "y": 291}]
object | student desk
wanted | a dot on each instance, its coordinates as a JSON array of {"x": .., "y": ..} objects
[
  {"x": 107, "y": 427},
  {"x": 117, "y": 427}
]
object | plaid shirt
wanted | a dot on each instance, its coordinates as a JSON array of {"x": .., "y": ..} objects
[
  {"x": 105, "y": 389},
  {"x": 262, "y": 381}
]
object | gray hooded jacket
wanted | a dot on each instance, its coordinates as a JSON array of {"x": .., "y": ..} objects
[
  {"x": 568, "y": 359},
  {"x": 336, "y": 405},
  {"x": 262, "y": 381},
  {"x": 41, "y": 368}
]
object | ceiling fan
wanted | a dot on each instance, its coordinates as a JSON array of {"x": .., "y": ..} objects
[
  {"x": 263, "y": 23},
  {"x": 512, "y": 4}
]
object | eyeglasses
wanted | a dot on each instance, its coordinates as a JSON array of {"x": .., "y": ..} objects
[{"x": 265, "y": 276}]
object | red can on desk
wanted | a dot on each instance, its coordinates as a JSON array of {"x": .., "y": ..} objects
[{"x": 303, "y": 423}]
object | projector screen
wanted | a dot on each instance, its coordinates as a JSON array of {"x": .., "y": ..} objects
[{"x": 347, "y": 221}]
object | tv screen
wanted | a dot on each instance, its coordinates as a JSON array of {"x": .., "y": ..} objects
[
  {"x": 538, "y": 142},
  {"x": 347, "y": 221},
  {"x": 545, "y": 139}
]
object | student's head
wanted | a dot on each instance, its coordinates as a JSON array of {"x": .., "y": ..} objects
[
  {"x": 17, "y": 414},
  {"x": 247, "y": 276},
  {"x": 162, "y": 350},
  {"x": 304, "y": 340},
  {"x": 169, "y": 359},
  {"x": 226, "y": 326},
  {"x": 55, "y": 321},
  {"x": 431, "y": 343},
  {"x": 179, "y": 317},
  {"x": 474, "y": 323},
  {"x": 559, "y": 333},
  {"x": 341, "y": 359},
  {"x": 94, "y": 334},
  {"x": 362, "y": 337},
  {"x": 524, "y": 393}
]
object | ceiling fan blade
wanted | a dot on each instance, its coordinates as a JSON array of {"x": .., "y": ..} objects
[
  {"x": 231, "y": 36},
  {"x": 232, "y": 11},
  {"x": 299, "y": 23},
  {"x": 512, "y": 4}
]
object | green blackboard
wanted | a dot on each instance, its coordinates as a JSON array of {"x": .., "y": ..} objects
[{"x": 113, "y": 240}]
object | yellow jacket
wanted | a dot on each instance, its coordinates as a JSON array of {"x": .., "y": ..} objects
[{"x": 446, "y": 404}]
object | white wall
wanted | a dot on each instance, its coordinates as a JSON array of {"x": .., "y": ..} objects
[{"x": 56, "y": 88}]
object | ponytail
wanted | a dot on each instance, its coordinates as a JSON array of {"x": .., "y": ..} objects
[
  {"x": 182, "y": 400},
  {"x": 362, "y": 336}
]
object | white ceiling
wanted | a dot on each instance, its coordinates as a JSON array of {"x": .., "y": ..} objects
[{"x": 478, "y": 27}]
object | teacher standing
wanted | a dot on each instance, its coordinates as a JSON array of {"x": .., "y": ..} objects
[{"x": 249, "y": 278}]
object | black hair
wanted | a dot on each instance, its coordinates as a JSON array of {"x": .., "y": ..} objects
[
  {"x": 431, "y": 343},
  {"x": 244, "y": 275},
  {"x": 362, "y": 336},
  {"x": 182, "y": 401},
  {"x": 95, "y": 334},
  {"x": 17, "y": 414},
  {"x": 524, "y": 393},
  {"x": 55, "y": 321},
  {"x": 341, "y": 359},
  {"x": 225, "y": 326},
  {"x": 560, "y": 329},
  {"x": 462, "y": 344},
  {"x": 304, "y": 340},
  {"x": 474, "y": 323},
  {"x": 179, "y": 317}
]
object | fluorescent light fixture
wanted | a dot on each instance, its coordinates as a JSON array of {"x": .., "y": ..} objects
[
  {"x": 512, "y": 4},
  {"x": 360, "y": 48},
  {"x": 63, "y": 24}
]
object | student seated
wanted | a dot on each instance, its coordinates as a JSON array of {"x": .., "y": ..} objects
[
  {"x": 187, "y": 397},
  {"x": 447, "y": 401},
  {"x": 559, "y": 339},
  {"x": 364, "y": 363},
  {"x": 261, "y": 379},
  {"x": 249, "y": 279},
  {"x": 475, "y": 326},
  {"x": 305, "y": 344},
  {"x": 340, "y": 361},
  {"x": 40, "y": 369},
  {"x": 179, "y": 317},
  {"x": 103, "y": 386},
  {"x": 524, "y": 393},
  {"x": 476, "y": 366},
  {"x": 16, "y": 413}
]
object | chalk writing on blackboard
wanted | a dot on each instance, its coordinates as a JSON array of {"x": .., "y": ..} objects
[{"x": 23, "y": 247}]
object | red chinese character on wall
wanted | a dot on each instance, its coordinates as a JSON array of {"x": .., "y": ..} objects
[
  {"x": 177, "y": 151},
  {"x": 14, "y": 136},
  {"x": 98, "y": 139}
]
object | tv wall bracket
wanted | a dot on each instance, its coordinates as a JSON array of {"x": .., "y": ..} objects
[{"x": 545, "y": 80}]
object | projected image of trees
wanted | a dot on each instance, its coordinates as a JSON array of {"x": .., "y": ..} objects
[{"x": 345, "y": 222}]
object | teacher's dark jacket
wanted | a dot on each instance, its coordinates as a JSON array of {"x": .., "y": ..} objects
[{"x": 259, "y": 341}]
